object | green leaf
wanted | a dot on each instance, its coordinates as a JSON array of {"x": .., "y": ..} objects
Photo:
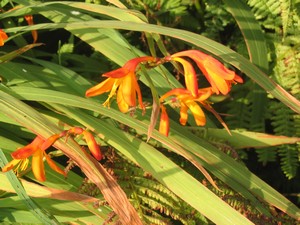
[
  {"x": 215, "y": 161},
  {"x": 257, "y": 49},
  {"x": 247, "y": 139},
  {"x": 206, "y": 44},
  {"x": 12, "y": 209},
  {"x": 162, "y": 168},
  {"x": 11, "y": 55},
  {"x": 112, "y": 192}
]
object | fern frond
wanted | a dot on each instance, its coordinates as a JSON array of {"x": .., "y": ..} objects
[
  {"x": 242, "y": 110},
  {"x": 266, "y": 155},
  {"x": 155, "y": 203},
  {"x": 285, "y": 121},
  {"x": 268, "y": 12},
  {"x": 239, "y": 109},
  {"x": 289, "y": 159}
]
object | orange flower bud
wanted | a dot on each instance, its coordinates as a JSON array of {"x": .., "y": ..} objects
[
  {"x": 92, "y": 144},
  {"x": 164, "y": 125},
  {"x": 29, "y": 19},
  {"x": 75, "y": 130}
]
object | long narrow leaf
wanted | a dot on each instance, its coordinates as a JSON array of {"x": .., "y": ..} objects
[
  {"x": 163, "y": 169},
  {"x": 215, "y": 48},
  {"x": 108, "y": 186},
  {"x": 224, "y": 167}
]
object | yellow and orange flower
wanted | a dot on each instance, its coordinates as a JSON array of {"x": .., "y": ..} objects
[
  {"x": 123, "y": 82},
  {"x": 3, "y": 37},
  {"x": 219, "y": 77},
  {"x": 188, "y": 102},
  {"x": 36, "y": 149}
]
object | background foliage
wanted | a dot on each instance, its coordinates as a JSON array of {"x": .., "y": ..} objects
[{"x": 159, "y": 177}]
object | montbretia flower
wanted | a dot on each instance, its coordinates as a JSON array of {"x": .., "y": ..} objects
[
  {"x": 122, "y": 82},
  {"x": 219, "y": 77},
  {"x": 3, "y": 37},
  {"x": 188, "y": 102},
  {"x": 37, "y": 150},
  {"x": 29, "y": 20}
]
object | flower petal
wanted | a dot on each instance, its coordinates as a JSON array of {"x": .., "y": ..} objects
[
  {"x": 183, "y": 114},
  {"x": 104, "y": 86},
  {"x": 164, "y": 125},
  {"x": 128, "y": 90},
  {"x": 238, "y": 79},
  {"x": 92, "y": 144},
  {"x": 197, "y": 113},
  {"x": 50, "y": 141},
  {"x": 3, "y": 37},
  {"x": 139, "y": 94},
  {"x": 132, "y": 64},
  {"x": 176, "y": 92},
  {"x": 53, "y": 165},
  {"x": 217, "y": 76},
  {"x": 129, "y": 67},
  {"x": 10, "y": 165},
  {"x": 214, "y": 71},
  {"x": 29, "y": 19},
  {"x": 189, "y": 76},
  {"x": 192, "y": 54},
  {"x": 38, "y": 166},
  {"x": 204, "y": 93},
  {"x": 75, "y": 130},
  {"x": 29, "y": 149},
  {"x": 118, "y": 73},
  {"x": 123, "y": 106}
]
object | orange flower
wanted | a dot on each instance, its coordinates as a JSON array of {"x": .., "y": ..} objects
[
  {"x": 124, "y": 82},
  {"x": 215, "y": 72},
  {"x": 3, "y": 37},
  {"x": 29, "y": 19},
  {"x": 36, "y": 149},
  {"x": 189, "y": 102}
]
